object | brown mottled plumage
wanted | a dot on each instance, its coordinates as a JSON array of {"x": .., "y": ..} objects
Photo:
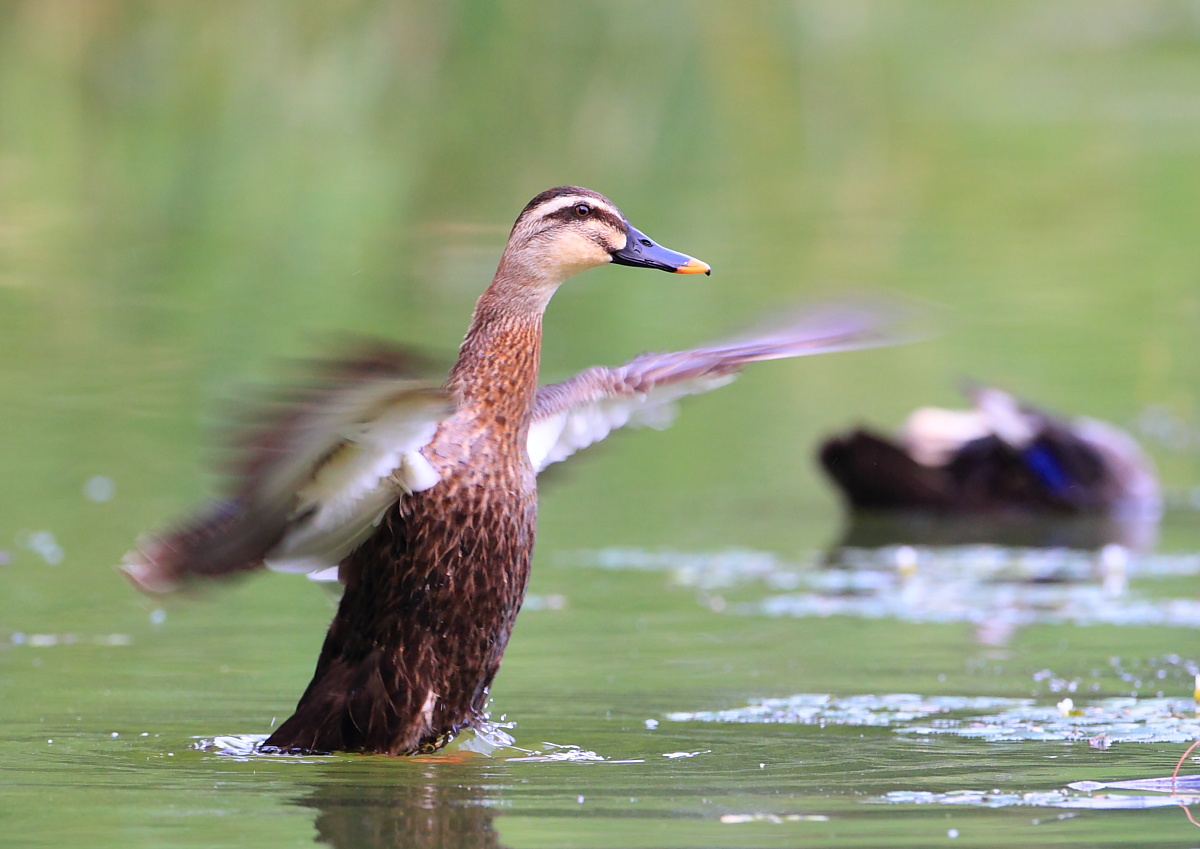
[
  {"x": 444, "y": 576},
  {"x": 426, "y": 497}
]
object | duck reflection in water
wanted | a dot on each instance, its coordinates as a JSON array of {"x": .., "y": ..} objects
[
  {"x": 417, "y": 811},
  {"x": 423, "y": 497},
  {"x": 1002, "y": 472}
]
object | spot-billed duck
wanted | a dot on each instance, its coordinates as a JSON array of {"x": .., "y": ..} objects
[
  {"x": 1000, "y": 456},
  {"x": 424, "y": 497}
]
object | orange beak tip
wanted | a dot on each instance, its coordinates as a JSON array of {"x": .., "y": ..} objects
[{"x": 694, "y": 266}]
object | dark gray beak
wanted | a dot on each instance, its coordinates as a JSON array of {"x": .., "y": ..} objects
[{"x": 641, "y": 252}]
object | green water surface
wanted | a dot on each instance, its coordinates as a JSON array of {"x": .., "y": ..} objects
[{"x": 191, "y": 191}]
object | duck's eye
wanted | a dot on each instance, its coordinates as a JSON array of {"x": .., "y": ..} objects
[{"x": 582, "y": 210}]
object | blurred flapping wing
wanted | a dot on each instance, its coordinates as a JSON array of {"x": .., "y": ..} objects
[
  {"x": 573, "y": 414},
  {"x": 311, "y": 473}
]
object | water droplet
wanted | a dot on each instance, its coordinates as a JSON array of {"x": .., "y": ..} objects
[
  {"x": 99, "y": 488},
  {"x": 43, "y": 544}
]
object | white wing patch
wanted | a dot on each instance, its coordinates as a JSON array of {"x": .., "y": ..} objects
[
  {"x": 557, "y": 436},
  {"x": 582, "y": 410},
  {"x": 377, "y": 463}
]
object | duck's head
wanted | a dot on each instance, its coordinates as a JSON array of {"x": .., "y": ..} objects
[{"x": 569, "y": 229}]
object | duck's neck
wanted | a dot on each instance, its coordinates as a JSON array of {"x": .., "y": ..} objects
[{"x": 497, "y": 370}]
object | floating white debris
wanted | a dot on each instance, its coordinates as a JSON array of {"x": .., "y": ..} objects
[
  {"x": 20, "y": 638},
  {"x": 1046, "y": 799},
  {"x": 705, "y": 569},
  {"x": 1101, "y": 724},
  {"x": 996, "y": 588},
  {"x": 1165, "y": 784},
  {"x": 573, "y": 754},
  {"x": 865, "y": 710},
  {"x": 1117, "y": 720},
  {"x": 1033, "y": 604},
  {"x": 739, "y": 819},
  {"x": 112, "y": 640},
  {"x": 570, "y": 753}
]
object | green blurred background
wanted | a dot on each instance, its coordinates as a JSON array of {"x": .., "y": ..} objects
[{"x": 190, "y": 191}]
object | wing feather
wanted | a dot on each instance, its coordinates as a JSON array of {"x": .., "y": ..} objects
[
  {"x": 571, "y": 415},
  {"x": 311, "y": 473}
]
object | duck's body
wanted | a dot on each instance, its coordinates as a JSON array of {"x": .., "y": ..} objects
[
  {"x": 1002, "y": 456},
  {"x": 423, "y": 622},
  {"x": 444, "y": 575},
  {"x": 427, "y": 499}
]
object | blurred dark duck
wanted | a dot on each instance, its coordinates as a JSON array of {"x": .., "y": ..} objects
[
  {"x": 1001, "y": 456},
  {"x": 424, "y": 497}
]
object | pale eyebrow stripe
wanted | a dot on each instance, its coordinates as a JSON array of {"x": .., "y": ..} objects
[{"x": 558, "y": 204}]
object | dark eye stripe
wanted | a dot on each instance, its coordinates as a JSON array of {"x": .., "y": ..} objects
[{"x": 599, "y": 213}]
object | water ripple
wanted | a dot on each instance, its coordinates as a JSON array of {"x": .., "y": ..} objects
[
  {"x": 1101, "y": 723},
  {"x": 997, "y": 588}
]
